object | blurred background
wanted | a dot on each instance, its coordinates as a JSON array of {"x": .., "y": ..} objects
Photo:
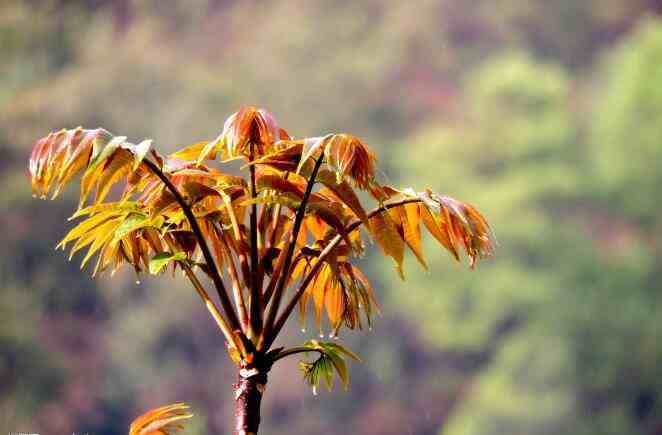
[{"x": 546, "y": 115}]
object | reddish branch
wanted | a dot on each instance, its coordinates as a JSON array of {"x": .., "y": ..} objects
[
  {"x": 283, "y": 275},
  {"x": 255, "y": 287},
  {"x": 209, "y": 259},
  {"x": 319, "y": 263}
]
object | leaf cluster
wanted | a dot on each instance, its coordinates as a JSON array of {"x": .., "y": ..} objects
[{"x": 288, "y": 228}]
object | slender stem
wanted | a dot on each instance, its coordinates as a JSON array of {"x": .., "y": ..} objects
[
  {"x": 293, "y": 351},
  {"x": 255, "y": 290},
  {"x": 222, "y": 324},
  {"x": 275, "y": 220},
  {"x": 236, "y": 284},
  {"x": 200, "y": 289},
  {"x": 294, "y": 234},
  {"x": 319, "y": 263},
  {"x": 216, "y": 277},
  {"x": 238, "y": 235},
  {"x": 268, "y": 292}
]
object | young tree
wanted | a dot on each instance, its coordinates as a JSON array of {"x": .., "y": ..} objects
[{"x": 280, "y": 237}]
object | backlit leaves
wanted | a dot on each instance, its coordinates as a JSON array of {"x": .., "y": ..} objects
[
  {"x": 186, "y": 210},
  {"x": 342, "y": 291},
  {"x": 351, "y": 158},
  {"x": 330, "y": 362},
  {"x": 166, "y": 420}
]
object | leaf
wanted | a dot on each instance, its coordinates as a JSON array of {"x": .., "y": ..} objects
[
  {"x": 141, "y": 151},
  {"x": 284, "y": 158},
  {"x": 85, "y": 226},
  {"x": 131, "y": 221},
  {"x": 197, "y": 191},
  {"x": 335, "y": 303},
  {"x": 387, "y": 237},
  {"x": 440, "y": 233},
  {"x": 331, "y": 359},
  {"x": 279, "y": 184},
  {"x": 412, "y": 231},
  {"x": 208, "y": 151},
  {"x": 192, "y": 152},
  {"x": 124, "y": 206},
  {"x": 316, "y": 205},
  {"x": 344, "y": 192},
  {"x": 103, "y": 235},
  {"x": 351, "y": 158},
  {"x": 159, "y": 261},
  {"x": 249, "y": 132},
  {"x": 119, "y": 164},
  {"x": 311, "y": 146},
  {"x": 165, "y": 420},
  {"x": 106, "y": 152}
]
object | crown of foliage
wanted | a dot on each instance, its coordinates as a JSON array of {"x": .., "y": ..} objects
[{"x": 289, "y": 227}]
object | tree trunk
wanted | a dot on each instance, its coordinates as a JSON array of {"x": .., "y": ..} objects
[{"x": 248, "y": 395}]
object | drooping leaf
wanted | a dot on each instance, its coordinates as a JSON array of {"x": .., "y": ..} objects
[
  {"x": 439, "y": 232},
  {"x": 387, "y": 237},
  {"x": 410, "y": 218},
  {"x": 159, "y": 261},
  {"x": 344, "y": 192},
  {"x": 331, "y": 360}
]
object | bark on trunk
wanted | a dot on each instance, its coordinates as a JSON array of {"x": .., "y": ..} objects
[{"x": 248, "y": 395}]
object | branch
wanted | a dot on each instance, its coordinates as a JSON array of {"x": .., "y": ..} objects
[
  {"x": 236, "y": 284},
  {"x": 268, "y": 292},
  {"x": 274, "y": 225},
  {"x": 255, "y": 290},
  {"x": 294, "y": 235},
  {"x": 216, "y": 277},
  {"x": 293, "y": 351},
  {"x": 210, "y": 304},
  {"x": 320, "y": 261}
]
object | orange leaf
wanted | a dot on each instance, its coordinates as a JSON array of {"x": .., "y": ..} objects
[
  {"x": 165, "y": 420},
  {"x": 412, "y": 231},
  {"x": 387, "y": 237}
]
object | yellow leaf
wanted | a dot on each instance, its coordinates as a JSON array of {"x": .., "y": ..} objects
[
  {"x": 335, "y": 303},
  {"x": 387, "y": 237},
  {"x": 192, "y": 152},
  {"x": 411, "y": 218},
  {"x": 161, "y": 421}
]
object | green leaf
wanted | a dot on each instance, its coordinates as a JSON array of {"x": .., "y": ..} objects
[
  {"x": 159, "y": 261},
  {"x": 130, "y": 223},
  {"x": 331, "y": 359}
]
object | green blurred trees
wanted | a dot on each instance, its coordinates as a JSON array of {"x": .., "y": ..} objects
[{"x": 573, "y": 199}]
